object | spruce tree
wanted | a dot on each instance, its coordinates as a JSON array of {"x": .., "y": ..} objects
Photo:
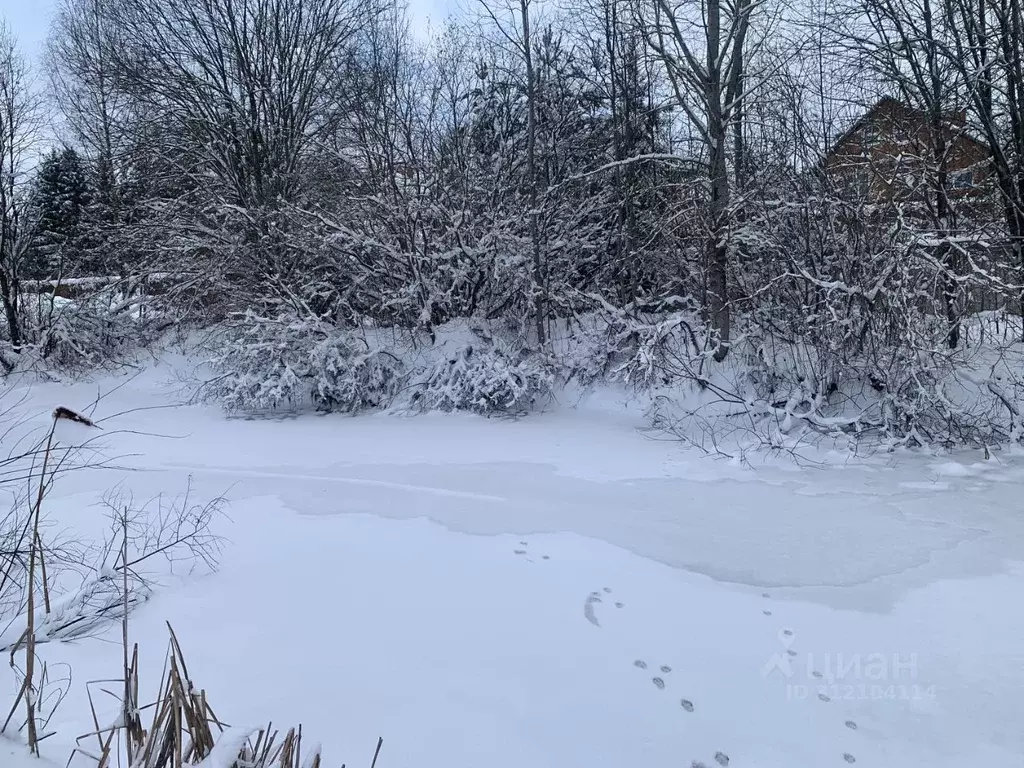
[{"x": 61, "y": 199}]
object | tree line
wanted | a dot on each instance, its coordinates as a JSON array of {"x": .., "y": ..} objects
[{"x": 525, "y": 166}]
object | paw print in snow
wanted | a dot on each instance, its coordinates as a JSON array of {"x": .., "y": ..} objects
[
  {"x": 721, "y": 758},
  {"x": 687, "y": 705},
  {"x": 640, "y": 664},
  {"x": 849, "y": 758},
  {"x": 658, "y": 683}
]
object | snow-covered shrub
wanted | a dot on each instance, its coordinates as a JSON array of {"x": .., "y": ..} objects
[
  {"x": 782, "y": 386},
  {"x": 860, "y": 321},
  {"x": 487, "y": 381},
  {"x": 96, "y": 329},
  {"x": 89, "y": 334},
  {"x": 641, "y": 348},
  {"x": 267, "y": 364},
  {"x": 261, "y": 366},
  {"x": 347, "y": 378}
]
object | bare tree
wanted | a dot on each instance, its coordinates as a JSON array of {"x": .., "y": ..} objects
[
  {"x": 249, "y": 87},
  {"x": 987, "y": 50},
  {"x": 20, "y": 120},
  {"x": 705, "y": 56},
  {"x": 623, "y": 79},
  {"x": 907, "y": 44},
  {"x": 98, "y": 114},
  {"x": 531, "y": 160},
  {"x": 515, "y": 27},
  {"x": 249, "y": 78}
]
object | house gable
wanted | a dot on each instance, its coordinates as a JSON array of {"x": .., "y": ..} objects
[{"x": 888, "y": 152}]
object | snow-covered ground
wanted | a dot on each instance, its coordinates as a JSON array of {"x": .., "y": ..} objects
[{"x": 564, "y": 591}]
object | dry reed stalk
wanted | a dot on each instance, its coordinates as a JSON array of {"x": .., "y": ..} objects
[
  {"x": 37, "y": 561},
  {"x": 184, "y": 728},
  {"x": 30, "y": 631}
]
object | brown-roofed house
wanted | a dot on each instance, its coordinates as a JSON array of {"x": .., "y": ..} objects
[{"x": 886, "y": 155}]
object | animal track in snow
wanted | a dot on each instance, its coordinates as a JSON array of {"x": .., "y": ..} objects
[
  {"x": 686, "y": 704},
  {"x": 524, "y": 550},
  {"x": 849, "y": 758},
  {"x": 597, "y": 596},
  {"x": 659, "y": 682},
  {"x": 720, "y": 757},
  {"x": 588, "y": 608},
  {"x": 851, "y": 725}
]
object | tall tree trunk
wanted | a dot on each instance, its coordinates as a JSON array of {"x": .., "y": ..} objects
[
  {"x": 945, "y": 214},
  {"x": 531, "y": 160},
  {"x": 717, "y": 245},
  {"x": 9, "y": 298}
]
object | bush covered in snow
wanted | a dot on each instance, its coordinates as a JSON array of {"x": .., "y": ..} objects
[
  {"x": 641, "y": 349},
  {"x": 487, "y": 381},
  {"x": 771, "y": 389},
  {"x": 774, "y": 391},
  {"x": 97, "y": 329},
  {"x": 347, "y": 378},
  {"x": 267, "y": 364},
  {"x": 89, "y": 334}
]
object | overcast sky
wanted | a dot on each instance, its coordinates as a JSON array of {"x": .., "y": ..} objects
[{"x": 30, "y": 19}]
